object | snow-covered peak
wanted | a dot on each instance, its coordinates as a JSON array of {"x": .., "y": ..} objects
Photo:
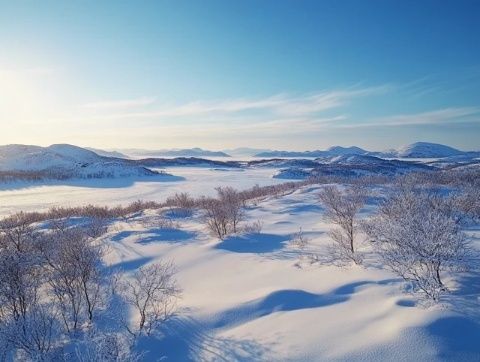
[{"x": 427, "y": 150}]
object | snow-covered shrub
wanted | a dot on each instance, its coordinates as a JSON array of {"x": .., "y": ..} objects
[
  {"x": 299, "y": 240},
  {"x": 418, "y": 238},
  {"x": 181, "y": 204},
  {"x": 223, "y": 214},
  {"x": 231, "y": 203},
  {"x": 106, "y": 347},
  {"x": 34, "y": 336},
  {"x": 160, "y": 221},
  {"x": 17, "y": 232},
  {"x": 152, "y": 291},
  {"x": 341, "y": 209},
  {"x": 73, "y": 262},
  {"x": 215, "y": 217},
  {"x": 254, "y": 227},
  {"x": 467, "y": 203},
  {"x": 28, "y": 327}
]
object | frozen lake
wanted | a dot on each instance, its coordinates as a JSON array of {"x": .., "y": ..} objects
[{"x": 197, "y": 181}]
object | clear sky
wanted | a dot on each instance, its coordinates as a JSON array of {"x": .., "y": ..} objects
[{"x": 219, "y": 74}]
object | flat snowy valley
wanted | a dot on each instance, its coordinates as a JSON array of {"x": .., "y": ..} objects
[{"x": 28, "y": 196}]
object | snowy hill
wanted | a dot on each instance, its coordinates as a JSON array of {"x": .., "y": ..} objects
[
  {"x": 427, "y": 150},
  {"x": 65, "y": 161}
]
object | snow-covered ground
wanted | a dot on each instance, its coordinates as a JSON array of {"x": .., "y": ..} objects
[
  {"x": 195, "y": 180},
  {"x": 255, "y": 298}
]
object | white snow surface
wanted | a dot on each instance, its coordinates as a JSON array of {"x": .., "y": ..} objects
[
  {"x": 197, "y": 181},
  {"x": 254, "y": 298}
]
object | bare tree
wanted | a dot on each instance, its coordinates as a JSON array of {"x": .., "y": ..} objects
[
  {"x": 231, "y": 202},
  {"x": 215, "y": 217},
  {"x": 467, "y": 203},
  {"x": 153, "y": 293},
  {"x": 418, "y": 239},
  {"x": 106, "y": 347},
  {"x": 73, "y": 262},
  {"x": 96, "y": 227},
  {"x": 341, "y": 208},
  {"x": 17, "y": 231},
  {"x": 223, "y": 214},
  {"x": 27, "y": 326},
  {"x": 34, "y": 336}
]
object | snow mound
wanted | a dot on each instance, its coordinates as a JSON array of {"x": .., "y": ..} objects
[{"x": 427, "y": 150}]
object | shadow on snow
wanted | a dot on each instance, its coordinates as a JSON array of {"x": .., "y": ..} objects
[
  {"x": 155, "y": 235},
  {"x": 187, "y": 339},
  {"x": 253, "y": 243}
]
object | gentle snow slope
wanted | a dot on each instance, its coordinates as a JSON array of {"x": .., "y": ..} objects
[{"x": 249, "y": 298}]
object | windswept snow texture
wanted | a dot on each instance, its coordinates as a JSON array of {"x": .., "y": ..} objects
[
  {"x": 65, "y": 161},
  {"x": 253, "y": 297}
]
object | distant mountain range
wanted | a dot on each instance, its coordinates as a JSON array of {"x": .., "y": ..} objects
[
  {"x": 335, "y": 150},
  {"x": 187, "y": 152},
  {"x": 63, "y": 161},
  {"x": 414, "y": 150},
  {"x": 107, "y": 153},
  {"x": 245, "y": 151}
]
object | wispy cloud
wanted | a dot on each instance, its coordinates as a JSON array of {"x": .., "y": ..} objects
[
  {"x": 435, "y": 117},
  {"x": 280, "y": 105}
]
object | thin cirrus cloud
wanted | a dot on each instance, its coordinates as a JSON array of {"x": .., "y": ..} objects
[
  {"x": 443, "y": 116},
  {"x": 280, "y": 105}
]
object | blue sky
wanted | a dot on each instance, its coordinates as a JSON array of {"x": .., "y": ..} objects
[{"x": 220, "y": 74}]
